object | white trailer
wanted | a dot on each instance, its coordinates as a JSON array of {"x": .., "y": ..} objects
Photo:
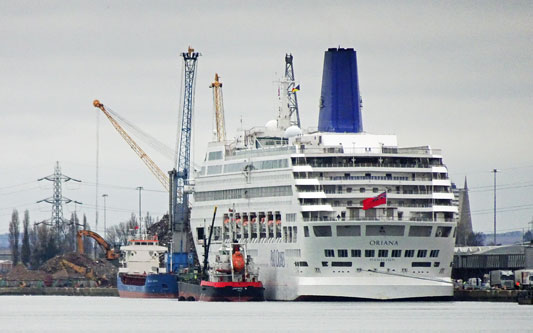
[
  {"x": 502, "y": 279},
  {"x": 524, "y": 278}
]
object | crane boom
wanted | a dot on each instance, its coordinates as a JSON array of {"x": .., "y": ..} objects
[
  {"x": 219, "y": 109},
  {"x": 158, "y": 173},
  {"x": 109, "y": 252}
]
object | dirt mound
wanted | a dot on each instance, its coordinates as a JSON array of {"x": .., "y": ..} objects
[
  {"x": 162, "y": 231},
  {"x": 21, "y": 273},
  {"x": 75, "y": 266}
]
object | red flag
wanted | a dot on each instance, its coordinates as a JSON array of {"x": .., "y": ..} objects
[
  {"x": 136, "y": 227},
  {"x": 375, "y": 201}
]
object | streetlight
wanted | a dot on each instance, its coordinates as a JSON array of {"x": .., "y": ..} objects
[
  {"x": 105, "y": 225},
  {"x": 495, "y": 171},
  {"x": 140, "y": 188}
]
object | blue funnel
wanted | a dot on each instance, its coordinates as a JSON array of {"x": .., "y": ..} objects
[{"x": 340, "y": 102}]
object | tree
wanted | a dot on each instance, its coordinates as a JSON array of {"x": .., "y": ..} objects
[
  {"x": 25, "y": 252},
  {"x": 118, "y": 234},
  {"x": 476, "y": 239},
  {"x": 14, "y": 234},
  {"x": 87, "y": 241}
]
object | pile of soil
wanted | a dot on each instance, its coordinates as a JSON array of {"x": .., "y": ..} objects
[
  {"x": 79, "y": 266},
  {"x": 21, "y": 273},
  {"x": 161, "y": 229}
]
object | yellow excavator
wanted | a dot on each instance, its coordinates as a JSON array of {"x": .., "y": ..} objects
[{"x": 109, "y": 252}]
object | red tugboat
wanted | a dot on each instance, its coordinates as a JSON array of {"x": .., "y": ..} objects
[{"x": 233, "y": 277}]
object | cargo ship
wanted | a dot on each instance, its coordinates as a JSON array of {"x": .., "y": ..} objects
[
  {"x": 333, "y": 213},
  {"x": 231, "y": 277},
  {"x": 142, "y": 272}
]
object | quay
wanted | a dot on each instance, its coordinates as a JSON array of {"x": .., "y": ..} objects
[{"x": 58, "y": 291}]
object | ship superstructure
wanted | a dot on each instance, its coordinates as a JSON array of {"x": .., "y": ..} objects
[
  {"x": 296, "y": 199},
  {"x": 142, "y": 272}
]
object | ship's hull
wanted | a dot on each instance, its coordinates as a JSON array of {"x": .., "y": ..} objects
[
  {"x": 222, "y": 291},
  {"x": 301, "y": 271},
  {"x": 149, "y": 286}
]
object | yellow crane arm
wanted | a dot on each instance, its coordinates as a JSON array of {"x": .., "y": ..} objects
[
  {"x": 219, "y": 109},
  {"x": 158, "y": 173}
]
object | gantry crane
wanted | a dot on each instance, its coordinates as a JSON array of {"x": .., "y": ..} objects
[
  {"x": 158, "y": 173},
  {"x": 291, "y": 91},
  {"x": 179, "y": 176},
  {"x": 218, "y": 104}
]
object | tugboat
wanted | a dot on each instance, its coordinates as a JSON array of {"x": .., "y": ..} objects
[
  {"x": 233, "y": 276},
  {"x": 142, "y": 272}
]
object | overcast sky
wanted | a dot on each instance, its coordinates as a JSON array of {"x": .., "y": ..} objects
[{"x": 455, "y": 75}]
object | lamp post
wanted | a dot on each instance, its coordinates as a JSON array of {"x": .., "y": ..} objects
[
  {"x": 105, "y": 219},
  {"x": 495, "y": 171},
  {"x": 140, "y": 188}
]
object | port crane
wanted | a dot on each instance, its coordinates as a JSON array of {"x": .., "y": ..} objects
[
  {"x": 291, "y": 91},
  {"x": 179, "y": 176},
  {"x": 158, "y": 173},
  {"x": 218, "y": 104}
]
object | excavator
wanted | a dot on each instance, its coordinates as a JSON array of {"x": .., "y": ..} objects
[{"x": 109, "y": 252}]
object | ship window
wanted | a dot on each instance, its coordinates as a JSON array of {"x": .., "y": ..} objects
[
  {"x": 215, "y": 155},
  {"x": 329, "y": 253},
  {"x": 349, "y": 190},
  {"x": 341, "y": 264},
  {"x": 420, "y": 231},
  {"x": 385, "y": 230},
  {"x": 322, "y": 230},
  {"x": 294, "y": 234},
  {"x": 214, "y": 169},
  {"x": 348, "y": 230},
  {"x": 301, "y": 264},
  {"x": 383, "y": 253},
  {"x": 382, "y": 264},
  {"x": 396, "y": 253},
  {"x": 434, "y": 253},
  {"x": 421, "y": 264},
  {"x": 324, "y": 264},
  {"x": 369, "y": 253},
  {"x": 443, "y": 231},
  {"x": 362, "y": 190},
  {"x": 349, "y": 203},
  {"x": 375, "y": 190},
  {"x": 356, "y": 253},
  {"x": 200, "y": 233},
  {"x": 342, "y": 253},
  {"x": 422, "y": 253},
  {"x": 306, "y": 231},
  {"x": 409, "y": 253},
  {"x": 436, "y": 264}
]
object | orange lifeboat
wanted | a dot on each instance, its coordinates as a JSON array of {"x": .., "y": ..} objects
[{"x": 238, "y": 261}]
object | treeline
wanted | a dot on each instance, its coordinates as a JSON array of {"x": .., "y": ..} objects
[{"x": 42, "y": 240}]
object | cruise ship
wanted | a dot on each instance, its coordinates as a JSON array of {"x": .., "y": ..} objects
[{"x": 334, "y": 213}]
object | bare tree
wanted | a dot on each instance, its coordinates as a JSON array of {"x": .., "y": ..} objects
[
  {"x": 25, "y": 252},
  {"x": 14, "y": 234}
]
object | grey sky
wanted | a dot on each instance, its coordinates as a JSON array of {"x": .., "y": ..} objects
[{"x": 455, "y": 75}]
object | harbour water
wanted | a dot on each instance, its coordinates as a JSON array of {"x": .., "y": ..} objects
[{"x": 113, "y": 314}]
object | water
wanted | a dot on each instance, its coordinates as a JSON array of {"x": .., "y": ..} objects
[{"x": 113, "y": 314}]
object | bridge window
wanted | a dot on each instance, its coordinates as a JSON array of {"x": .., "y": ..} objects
[
  {"x": 329, "y": 253},
  {"x": 322, "y": 230},
  {"x": 348, "y": 230}
]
